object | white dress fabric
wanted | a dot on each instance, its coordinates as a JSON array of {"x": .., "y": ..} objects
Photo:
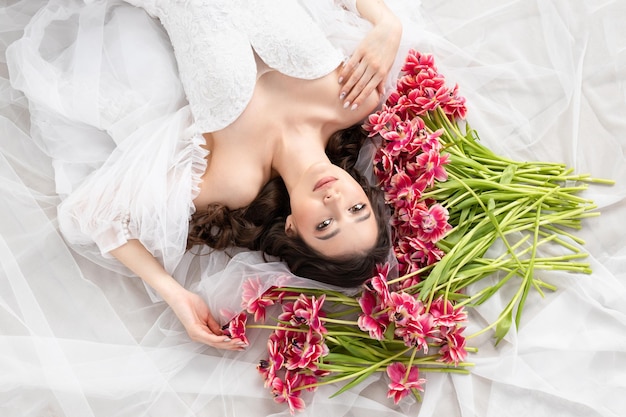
[
  {"x": 79, "y": 337},
  {"x": 213, "y": 42}
]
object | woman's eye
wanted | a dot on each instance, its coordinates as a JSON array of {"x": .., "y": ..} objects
[
  {"x": 356, "y": 208},
  {"x": 323, "y": 225}
]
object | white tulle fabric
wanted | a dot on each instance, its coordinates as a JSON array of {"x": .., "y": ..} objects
[{"x": 98, "y": 82}]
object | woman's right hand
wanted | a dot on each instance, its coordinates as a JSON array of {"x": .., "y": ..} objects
[
  {"x": 367, "y": 68},
  {"x": 190, "y": 308},
  {"x": 200, "y": 324}
]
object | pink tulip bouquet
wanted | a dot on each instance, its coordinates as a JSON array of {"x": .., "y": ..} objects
[{"x": 451, "y": 200}]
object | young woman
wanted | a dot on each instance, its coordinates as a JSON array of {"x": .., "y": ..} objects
[
  {"x": 216, "y": 155},
  {"x": 544, "y": 81}
]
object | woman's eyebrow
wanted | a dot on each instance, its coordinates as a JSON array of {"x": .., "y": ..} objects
[
  {"x": 328, "y": 236},
  {"x": 336, "y": 231},
  {"x": 363, "y": 218}
]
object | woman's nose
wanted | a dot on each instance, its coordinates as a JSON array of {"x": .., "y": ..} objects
[{"x": 331, "y": 195}]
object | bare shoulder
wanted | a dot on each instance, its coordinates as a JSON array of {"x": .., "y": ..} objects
[{"x": 238, "y": 166}]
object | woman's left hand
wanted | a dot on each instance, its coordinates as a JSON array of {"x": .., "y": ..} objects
[{"x": 367, "y": 68}]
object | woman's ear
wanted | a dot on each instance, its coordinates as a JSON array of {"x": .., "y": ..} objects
[{"x": 290, "y": 227}]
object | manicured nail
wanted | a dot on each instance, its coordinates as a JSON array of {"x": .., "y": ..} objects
[
  {"x": 227, "y": 339},
  {"x": 346, "y": 104},
  {"x": 354, "y": 106},
  {"x": 340, "y": 80},
  {"x": 342, "y": 95},
  {"x": 241, "y": 344}
]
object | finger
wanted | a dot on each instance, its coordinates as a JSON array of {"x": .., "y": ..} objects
[
  {"x": 362, "y": 89},
  {"x": 213, "y": 325},
  {"x": 237, "y": 344},
  {"x": 372, "y": 85},
  {"x": 352, "y": 65},
  {"x": 369, "y": 88},
  {"x": 348, "y": 92},
  {"x": 381, "y": 87},
  {"x": 203, "y": 335},
  {"x": 348, "y": 66},
  {"x": 234, "y": 344}
]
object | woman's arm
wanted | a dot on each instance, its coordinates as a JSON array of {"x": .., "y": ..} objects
[
  {"x": 370, "y": 63},
  {"x": 190, "y": 309}
]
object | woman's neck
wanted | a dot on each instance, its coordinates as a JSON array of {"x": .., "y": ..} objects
[
  {"x": 305, "y": 114},
  {"x": 296, "y": 150}
]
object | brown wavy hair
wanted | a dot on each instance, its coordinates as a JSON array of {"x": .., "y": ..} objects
[{"x": 261, "y": 225}]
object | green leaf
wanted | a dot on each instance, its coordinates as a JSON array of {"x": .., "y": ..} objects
[
  {"x": 389, "y": 333},
  {"x": 508, "y": 174},
  {"x": 504, "y": 325},
  {"x": 356, "y": 381},
  {"x": 465, "y": 221},
  {"x": 490, "y": 291},
  {"x": 355, "y": 350},
  {"x": 343, "y": 358}
]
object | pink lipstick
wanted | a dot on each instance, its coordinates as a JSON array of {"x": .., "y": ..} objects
[{"x": 324, "y": 182}]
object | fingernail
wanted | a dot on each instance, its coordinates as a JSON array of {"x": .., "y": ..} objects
[
  {"x": 241, "y": 344},
  {"x": 354, "y": 106},
  {"x": 346, "y": 104},
  {"x": 342, "y": 95},
  {"x": 340, "y": 80},
  {"x": 227, "y": 339}
]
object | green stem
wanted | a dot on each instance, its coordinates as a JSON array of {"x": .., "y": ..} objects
[
  {"x": 264, "y": 326},
  {"x": 337, "y": 321},
  {"x": 408, "y": 368},
  {"x": 356, "y": 374}
]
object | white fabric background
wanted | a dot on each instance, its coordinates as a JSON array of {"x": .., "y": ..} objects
[{"x": 544, "y": 80}]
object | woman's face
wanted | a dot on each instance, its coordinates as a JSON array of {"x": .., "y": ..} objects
[{"x": 331, "y": 213}]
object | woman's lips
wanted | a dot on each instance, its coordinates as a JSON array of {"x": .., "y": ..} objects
[{"x": 324, "y": 182}]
